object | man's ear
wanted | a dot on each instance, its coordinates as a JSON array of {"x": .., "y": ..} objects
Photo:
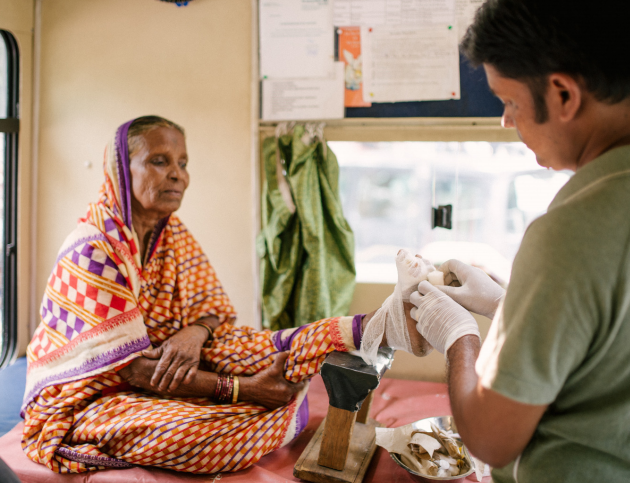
[{"x": 564, "y": 97}]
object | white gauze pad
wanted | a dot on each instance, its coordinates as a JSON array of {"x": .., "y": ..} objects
[
  {"x": 390, "y": 318},
  {"x": 436, "y": 277}
]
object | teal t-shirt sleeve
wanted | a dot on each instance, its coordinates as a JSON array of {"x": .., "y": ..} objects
[{"x": 546, "y": 325}]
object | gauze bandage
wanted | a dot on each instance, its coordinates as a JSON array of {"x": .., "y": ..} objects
[
  {"x": 441, "y": 320},
  {"x": 390, "y": 318}
]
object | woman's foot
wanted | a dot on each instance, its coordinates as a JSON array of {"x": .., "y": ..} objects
[{"x": 411, "y": 271}]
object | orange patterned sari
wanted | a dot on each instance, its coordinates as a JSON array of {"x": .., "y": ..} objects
[{"x": 103, "y": 306}]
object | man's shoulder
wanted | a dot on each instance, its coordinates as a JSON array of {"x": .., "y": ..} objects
[
  {"x": 602, "y": 183},
  {"x": 592, "y": 207}
]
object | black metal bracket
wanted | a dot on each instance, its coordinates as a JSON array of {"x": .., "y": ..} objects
[
  {"x": 442, "y": 217},
  {"x": 349, "y": 380}
]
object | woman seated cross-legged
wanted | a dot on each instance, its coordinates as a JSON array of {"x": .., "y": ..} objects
[{"x": 136, "y": 361}]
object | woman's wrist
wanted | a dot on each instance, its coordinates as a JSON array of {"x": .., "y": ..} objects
[
  {"x": 366, "y": 320},
  {"x": 207, "y": 331}
]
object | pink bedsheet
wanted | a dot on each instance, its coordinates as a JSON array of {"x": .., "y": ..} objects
[{"x": 396, "y": 403}]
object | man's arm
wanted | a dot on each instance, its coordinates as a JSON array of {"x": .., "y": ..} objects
[{"x": 495, "y": 428}]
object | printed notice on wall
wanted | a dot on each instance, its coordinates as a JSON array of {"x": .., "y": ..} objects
[
  {"x": 296, "y": 39},
  {"x": 304, "y": 99},
  {"x": 465, "y": 11},
  {"x": 410, "y": 63},
  {"x": 372, "y": 13},
  {"x": 349, "y": 42}
]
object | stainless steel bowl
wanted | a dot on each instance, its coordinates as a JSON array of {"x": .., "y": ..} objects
[{"x": 447, "y": 424}]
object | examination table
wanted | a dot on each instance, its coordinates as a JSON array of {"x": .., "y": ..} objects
[{"x": 396, "y": 402}]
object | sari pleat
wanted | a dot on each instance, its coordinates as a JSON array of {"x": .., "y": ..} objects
[{"x": 75, "y": 428}]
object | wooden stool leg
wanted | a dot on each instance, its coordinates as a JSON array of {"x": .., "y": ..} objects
[
  {"x": 336, "y": 438},
  {"x": 364, "y": 412}
]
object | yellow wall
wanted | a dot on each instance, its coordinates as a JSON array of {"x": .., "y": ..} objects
[
  {"x": 16, "y": 16},
  {"x": 104, "y": 62}
]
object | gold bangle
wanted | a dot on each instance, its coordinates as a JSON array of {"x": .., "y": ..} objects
[
  {"x": 210, "y": 334},
  {"x": 235, "y": 392}
]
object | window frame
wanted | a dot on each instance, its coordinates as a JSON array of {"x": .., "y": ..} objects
[{"x": 11, "y": 127}]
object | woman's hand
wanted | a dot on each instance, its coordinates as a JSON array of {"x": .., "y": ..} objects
[
  {"x": 269, "y": 387},
  {"x": 139, "y": 373},
  {"x": 178, "y": 359}
]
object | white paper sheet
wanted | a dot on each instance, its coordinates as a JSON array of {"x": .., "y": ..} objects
[
  {"x": 296, "y": 38},
  {"x": 371, "y": 13},
  {"x": 304, "y": 99},
  {"x": 410, "y": 64},
  {"x": 465, "y": 13}
]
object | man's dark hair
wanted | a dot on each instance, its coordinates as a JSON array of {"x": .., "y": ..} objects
[{"x": 527, "y": 40}]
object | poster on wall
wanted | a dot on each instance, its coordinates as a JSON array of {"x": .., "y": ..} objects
[
  {"x": 304, "y": 99},
  {"x": 349, "y": 46},
  {"x": 465, "y": 11},
  {"x": 410, "y": 64},
  {"x": 373, "y": 13},
  {"x": 296, "y": 39}
]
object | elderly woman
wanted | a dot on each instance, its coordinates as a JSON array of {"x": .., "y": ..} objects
[{"x": 135, "y": 360}]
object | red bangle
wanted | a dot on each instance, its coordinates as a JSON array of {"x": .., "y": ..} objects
[
  {"x": 217, "y": 390},
  {"x": 224, "y": 388}
]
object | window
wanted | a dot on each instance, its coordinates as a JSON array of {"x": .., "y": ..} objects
[
  {"x": 389, "y": 188},
  {"x": 9, "y": 127}
]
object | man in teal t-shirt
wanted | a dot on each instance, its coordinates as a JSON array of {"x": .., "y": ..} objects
[{"x": 547, "y": 398}]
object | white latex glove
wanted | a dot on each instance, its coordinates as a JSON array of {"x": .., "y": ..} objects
[
  {"x": 477, "y": 293},
  {"x": 441, "y": 320}
]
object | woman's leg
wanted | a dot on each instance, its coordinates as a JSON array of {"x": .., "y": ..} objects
[
  {"x": 243, "y": 350},
  {"x": 193, "y": 434}
]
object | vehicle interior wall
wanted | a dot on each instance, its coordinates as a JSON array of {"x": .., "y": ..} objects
[
  {"x": 18, "y": 19},
  {"x": 103, "y": 63}
]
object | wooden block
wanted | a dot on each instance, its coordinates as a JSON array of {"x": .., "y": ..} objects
[
  {"x": 336, "y": 438},
  {"x": 364, "y": 413},
  {"x": 360, "y": 453}
]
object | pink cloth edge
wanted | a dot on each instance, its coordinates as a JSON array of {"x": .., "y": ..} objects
[{"x": 396, "y": 402}]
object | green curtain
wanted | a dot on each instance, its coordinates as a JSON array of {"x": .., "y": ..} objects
[{"x": 306, "y": 245}]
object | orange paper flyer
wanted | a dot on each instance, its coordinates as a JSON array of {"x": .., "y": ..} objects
[{"x": 350, "y": 54}]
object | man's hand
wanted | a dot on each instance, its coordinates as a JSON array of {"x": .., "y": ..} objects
[
  {"x": 471, "y": 288},
  {"x": 441, "y": 321},
  {"x": 269, "y": 387},
  {"x": 179, "y": 358}
]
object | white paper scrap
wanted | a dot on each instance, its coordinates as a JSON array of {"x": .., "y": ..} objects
[
  {"x": 296, "y": 38},
  {"x": 394, "y": 440},
  {"x": 304, "y": 99},
  {"x": 410, "y": 64},
  {"x": 481, "y": 469},
  {"x": 371, "y": 13},
  {"x": 428, "y": 443}
]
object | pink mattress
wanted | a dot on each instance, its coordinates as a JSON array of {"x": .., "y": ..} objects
[{"x": 396, "y": 403}]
